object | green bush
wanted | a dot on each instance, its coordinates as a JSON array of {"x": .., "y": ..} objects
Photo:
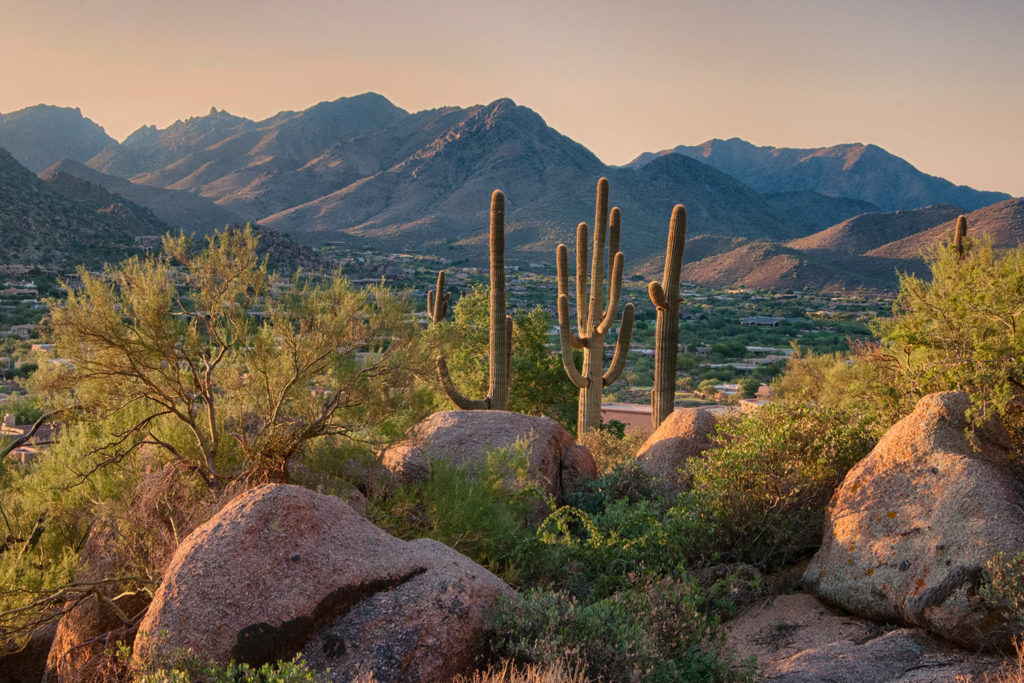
[
  {"x": 480, "y": 511},
  {"x": 653, "y": 631},
  {"x": 963, "y": 329},
  {"x": 759, "y": 495}
]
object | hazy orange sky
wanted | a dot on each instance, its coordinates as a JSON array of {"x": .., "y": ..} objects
[{"x": 938, "y": 82}]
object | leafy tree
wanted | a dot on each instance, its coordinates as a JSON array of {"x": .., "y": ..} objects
[
  {"x": 707, "y": 387},
  {"x": 749, "y": 386},
  {"x": 539, "y": 384},
  {"x": 964, "y": 330},
  {"x": 191, "y": 352}
]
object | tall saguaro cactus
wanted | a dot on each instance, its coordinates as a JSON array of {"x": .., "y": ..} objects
[
  {"x": 500, "y": 338},
  {"x": 959, "y": 235},
  {"x": 665, "y": 296},
  {"x": 593, "y": 318}
]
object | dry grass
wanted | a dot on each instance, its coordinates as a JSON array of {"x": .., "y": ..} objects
[
  {"x": 1011, "y": 672},
  {"x": 507, "y": 672}
]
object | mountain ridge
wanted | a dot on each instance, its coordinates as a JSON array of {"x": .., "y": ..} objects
[{"x": 853, "y": 170}]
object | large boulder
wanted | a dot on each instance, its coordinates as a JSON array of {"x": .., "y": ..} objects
[
  {"x": 557, "y": 464},
  {"x": 27, "y": 664},
  {"x": 911, "y": 527},
  {"x": 684, "y": 434},
  {"x": 282, "y": 569},
  {"x": 93, "y": 626}
]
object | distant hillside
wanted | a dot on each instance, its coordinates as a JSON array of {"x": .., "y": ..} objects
[
  {"x": 868, "y": 231},
  {"x": 126, "y": 215},
  {"x": 854, "y": 171},
  {"x": 180, "y": 210},
  {"x": 40, "y": 136},
  {"x": 769, "y": 265},
  {"x": 808, "y": 212},
  {"x": 40, "y": 225},
  {"x": 363, "y": 171},
  {"x": 1004, "y": 222}
]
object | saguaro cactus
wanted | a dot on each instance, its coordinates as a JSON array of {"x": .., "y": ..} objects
[
  {"x": 500, "y": 354},
  {"x": 592, "y": 317},
  {"x": 959, "y": 235},
  {"x": 665, "y": 296}
]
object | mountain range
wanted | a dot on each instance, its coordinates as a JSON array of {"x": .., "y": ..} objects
[{"x": 362, "y": 171}]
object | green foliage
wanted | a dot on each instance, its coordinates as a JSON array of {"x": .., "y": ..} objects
[
  {"x": 187, "y": 667},
  {"x": 1004, "y": 584},
  {"x": 964, "y": 330},
  {"x": 223, "y": 369},
  {"x": 26, "y": 410},
  {"x": 850, "y": 383},
  {"x": 612, "y": 445},
  {"x": 749, "y": 386},
  {"x": 760, "y": 494},
  {"x": 707, "y": 386},
  {"x": 539, "y": 385},
  {"x": 653, "y": 631},
  {"x": 480, "y": 511}
]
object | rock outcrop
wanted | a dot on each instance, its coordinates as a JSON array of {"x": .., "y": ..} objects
[
  {"x": 797, "y": 639},
  {"x": 464, "y": 438},
  {"x": 282, "y": 569},
  {"x": 911, "y": 527},
  {"x": 685, "y": 434}
]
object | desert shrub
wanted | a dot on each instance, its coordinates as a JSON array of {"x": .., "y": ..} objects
[
  {"x": 626, "y": 480},
  {"x": 653, "y": 631},
  {"x": 963, "y": 329},
  {"x": 848, "y": 382},
  {"x": 610, "y": 447},
  {"x": 759, "y": 495},
  {"x": 480, "y": 511},
  {"x": 507, "y": 671},
  {"x": 592, "y": 555},
  {"x": 188, "y": 667},
  {"x": 1004, "y": 584}
]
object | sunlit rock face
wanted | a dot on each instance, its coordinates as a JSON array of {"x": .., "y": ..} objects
[{"x": 912, "y": 525}]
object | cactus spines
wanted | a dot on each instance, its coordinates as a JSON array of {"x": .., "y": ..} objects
[
  {"x": 959, "y": 235},
  {"x": 594, "y": 318},
  {"x": 665, "y": 296},
  {"x": 500, "y": 335}
]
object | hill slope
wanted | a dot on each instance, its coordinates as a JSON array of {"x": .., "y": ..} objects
[
  {"x": 40, "y": 136},
  {"x": 40, "y": 225},
  {"x": 178, "y": 209},
  {"x": 868, "y": 231},
  {"x": 1004, "y": 222},
  {"x": 855, "y": 171}
]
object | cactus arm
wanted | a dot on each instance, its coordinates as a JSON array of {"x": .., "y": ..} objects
[
  {"x": 437, "y": 300},
  {"x": 621, "y": 346},
  {"x": 453, "y": 394},
  {"x": 959, "y": 235},
  {"x": 614, "y": 291},
  {"x": 657, "y": 293},
  {"x": 508, "y": 347},
  {"x": 581, "y": 278},
  {"x": 565, "y": 338},
  {"x": 613, "y": 236},
  {"x": 562, "y": 263}
]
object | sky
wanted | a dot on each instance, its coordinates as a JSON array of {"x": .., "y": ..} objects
[{"x": 937, "y": 82}]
